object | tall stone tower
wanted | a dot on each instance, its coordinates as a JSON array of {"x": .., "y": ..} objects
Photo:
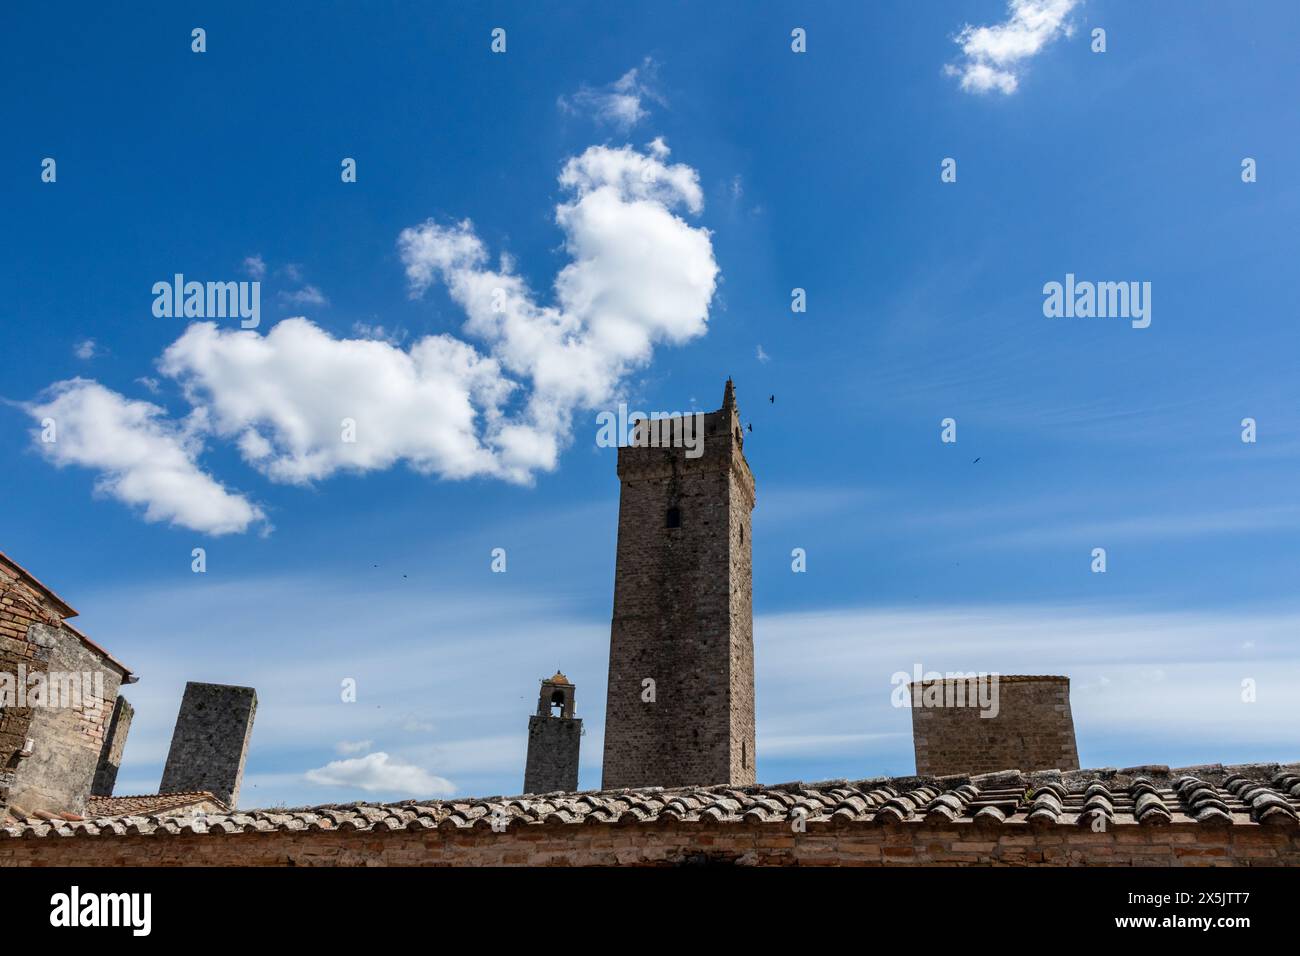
[
  {"x": 680, "y": 710},
  {"x": 554, "y": 738},
  {"x": 210, "y": 741}
]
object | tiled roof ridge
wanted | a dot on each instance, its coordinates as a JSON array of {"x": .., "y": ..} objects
[
  {"x": 169, "y": 793},
  {"x": 149, "y": 803},
  {"x": 1207, "y": 795}
]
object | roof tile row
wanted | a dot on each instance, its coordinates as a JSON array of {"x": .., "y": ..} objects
[{"x": 1213, "y": 795}]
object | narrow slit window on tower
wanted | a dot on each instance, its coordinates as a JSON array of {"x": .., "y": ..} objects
[{"x": 674, "y": 519}]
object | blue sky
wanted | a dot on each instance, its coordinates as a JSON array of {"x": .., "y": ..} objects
[{"x": 680, "y": 171}]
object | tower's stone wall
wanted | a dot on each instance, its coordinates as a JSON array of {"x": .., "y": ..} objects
[
  {"x": 553, "y": 747},
  {"x": 680, "y": 709},
  {"x": 1030, "y": 727},
  {"x": 210, "y": 742}
]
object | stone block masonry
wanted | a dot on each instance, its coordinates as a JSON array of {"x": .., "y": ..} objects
[
  {"x": 210, "y": 742},
  {"x": 554, "y": 739},
  {"x": 68, "y": 739},
  {"x": 1031, "y": 727},
  {"x": 680, "y": 706}
]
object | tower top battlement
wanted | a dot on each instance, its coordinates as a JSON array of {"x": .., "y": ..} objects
[{"x": 695, "y": 441}]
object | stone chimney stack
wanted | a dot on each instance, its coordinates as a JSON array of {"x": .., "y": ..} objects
[
  {"x": 993, "y": 722},
  {"x": 210, "y": 741}
]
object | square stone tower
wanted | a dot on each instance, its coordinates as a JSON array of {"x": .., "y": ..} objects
[
  {"x": 680, "y": 710},
  {"x": 554, "y": 739},
  {"x": 1026, "y": 726},
  {"x": 210, "y": 741}
]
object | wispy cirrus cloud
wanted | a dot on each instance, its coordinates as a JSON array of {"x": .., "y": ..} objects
[
  {"x": 994, "y": 57},
  {"x": 308, "y": 295},
  {"x": 620, "y": 104},
  {"x": 255, "y": 266}
]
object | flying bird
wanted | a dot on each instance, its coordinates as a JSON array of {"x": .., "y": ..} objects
[{"x": 772, "y": 399}]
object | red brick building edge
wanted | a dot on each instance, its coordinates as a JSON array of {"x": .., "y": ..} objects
[{"x": 670, "y": 843}]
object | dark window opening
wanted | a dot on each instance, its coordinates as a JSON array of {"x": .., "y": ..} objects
[
  {"x": 557, "y": 704},
  {"x": 674, "y": 518}
]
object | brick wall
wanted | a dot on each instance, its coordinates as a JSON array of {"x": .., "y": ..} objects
[
  {"x": 683, "y": 616},
  {"x": 110, "y": 757},
  {"x": 1033, "y": 728},
  {"x": 21, "y": 606},
  {"x": 673, "y": 842}
]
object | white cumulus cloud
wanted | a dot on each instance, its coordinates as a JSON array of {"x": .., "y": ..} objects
[
  {"x": 380, "y": 773},
  {"x": 639, "y": 276},
  {"x": 994, "y": 55},
  {"x": 285, "y": 398},
  {"x": 301, "y": 404},
  {"x": 144, "y": 459}
]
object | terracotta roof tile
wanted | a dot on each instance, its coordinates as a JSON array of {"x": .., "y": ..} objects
[
  {"x": 149, "y": 804},
  {"x": 1247, "y": 795}
]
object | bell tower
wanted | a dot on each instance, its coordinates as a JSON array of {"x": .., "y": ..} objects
[
  {"x": 680, "y": 710},
  {"x": 554, "y": 738}
]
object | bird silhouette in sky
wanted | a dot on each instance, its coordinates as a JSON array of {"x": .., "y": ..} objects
[{"x": 772, "y": 399}]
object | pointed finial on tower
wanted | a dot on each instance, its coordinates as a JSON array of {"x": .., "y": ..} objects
[{"x": 729, "y": 395}]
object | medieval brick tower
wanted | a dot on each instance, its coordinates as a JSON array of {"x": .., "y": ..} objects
[
  {"x": 554, "y": 738},
  {"x": 680, "y": 710}
]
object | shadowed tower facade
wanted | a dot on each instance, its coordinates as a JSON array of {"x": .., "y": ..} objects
[{"x": 680, "y": 709}]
